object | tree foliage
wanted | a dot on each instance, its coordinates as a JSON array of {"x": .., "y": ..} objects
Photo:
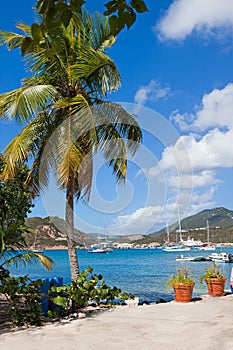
[
  {"x": 15, "y": 204},
  {"x": 121, "y": 12},
  {"x": 71, "y": 75}
]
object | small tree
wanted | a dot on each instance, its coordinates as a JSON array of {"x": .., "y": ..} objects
[{"x": 15, "y": 204}]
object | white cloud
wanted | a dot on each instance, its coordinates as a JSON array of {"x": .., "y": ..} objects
[
  {"x": 216, "y": 111},
  {"x": 147, "y": 219},
  {"x": 142, "y": 220},
  {"x": 153, "y": 218},
  {"x": 196, "y": 181},
  {"x": 190, "y": 165},
  {"x": 184, "y": 17},
  {"x": 212, "y": 151},
  {"x": 201, "y": 200},
  {"x": 151, "y": 92},
  {"x": 200, "y": 179}
]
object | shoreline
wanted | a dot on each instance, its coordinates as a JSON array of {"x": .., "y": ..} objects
[
  {"x": 64, "y": 247},
  {"x": 203, "y": 324}
]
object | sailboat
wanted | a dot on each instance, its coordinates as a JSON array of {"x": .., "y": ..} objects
[
  {"x": 174, "y": 247},
  {"x": 208, "y": 246},
  {"x": 190, "y": 242},
  {"x": 34, "y": 249},
  {"x": 99, "y": 248}
]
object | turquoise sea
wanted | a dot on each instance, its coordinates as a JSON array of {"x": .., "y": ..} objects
[{"x": 142, "y": 272}]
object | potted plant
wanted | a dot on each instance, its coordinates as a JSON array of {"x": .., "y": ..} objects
[
  {"x": 182, "y": 284},
  {"x": 214, "y": 279}
]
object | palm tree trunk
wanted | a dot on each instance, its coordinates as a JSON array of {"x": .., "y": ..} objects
[{"x": 74, "y": 268}]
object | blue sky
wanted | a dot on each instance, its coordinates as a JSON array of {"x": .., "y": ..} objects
[{"x": 177, "y": 76}]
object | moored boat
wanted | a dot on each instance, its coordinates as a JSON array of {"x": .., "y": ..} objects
[
  {"x": 97, "y": 249},
  {"x": 176, "y": 248},
  {"x": 192, "y": 258},
  {"x": 208, "y": 246},
  {"x": 222, "y": 257}
]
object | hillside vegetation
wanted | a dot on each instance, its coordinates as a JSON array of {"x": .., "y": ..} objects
[
  {"x": 220, "y": 224},
  {"x": 50, "y": 232}
]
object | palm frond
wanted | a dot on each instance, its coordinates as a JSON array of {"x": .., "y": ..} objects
[
  {"x": 50, "y": 60},
  {"x": 11, "y": 40},
  {"x": 26, "y": 144},
  {"x": 24, "y": 103},
  {"x": 83, "y": 179},
  {"x": 29, "y": 258},
  {"x": 78, "y": 163},
  {"x": 73, "y": 104},
  {"x": 118, "y": 119},
  {"x": 24, "y": 27},
  {"x": 98, "y": 70},
  {"x": 94, "y": 30}
]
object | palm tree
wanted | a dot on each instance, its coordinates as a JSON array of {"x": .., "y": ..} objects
[{"x": 62, "y": 104}]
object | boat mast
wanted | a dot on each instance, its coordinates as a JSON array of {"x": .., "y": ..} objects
[
  {"x": 168, "y": 234},
  {"x": 208, "y": 233},
  {"x": 180, "y": 230}
]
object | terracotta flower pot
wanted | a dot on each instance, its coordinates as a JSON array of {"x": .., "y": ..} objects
[
  {"x": 183, "y": 292},
  {"x": 216, "y": 286}
]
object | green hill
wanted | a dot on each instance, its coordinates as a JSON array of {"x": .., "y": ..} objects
[
  {"x": 217, "y": 217},
  {"x": 50, "y": 232},
  {"x": 220, "y": 223}
]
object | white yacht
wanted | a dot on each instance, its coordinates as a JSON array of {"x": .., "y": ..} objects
[{"x": 176, "y": 248}]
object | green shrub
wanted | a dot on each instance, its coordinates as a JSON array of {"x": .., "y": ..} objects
[
  {"x": 88, "y": 287},
  {"x": 24, "y": 297}
]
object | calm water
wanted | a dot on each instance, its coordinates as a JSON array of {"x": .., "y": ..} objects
[{"x": 142, "y": 272}]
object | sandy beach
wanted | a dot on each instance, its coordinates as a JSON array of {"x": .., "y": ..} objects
[{"x": 202, "y": 324}]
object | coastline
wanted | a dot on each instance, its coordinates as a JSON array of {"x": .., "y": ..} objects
[{"x": 203, "y": 324}]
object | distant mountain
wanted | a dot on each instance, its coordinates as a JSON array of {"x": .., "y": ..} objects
[
  {"x": 217, "y": 217},
  {"x": 51, "y": 232},
  {"x": 220, "y": 223}
]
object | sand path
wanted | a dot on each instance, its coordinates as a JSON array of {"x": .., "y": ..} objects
[{"x": 199, "y": 325}]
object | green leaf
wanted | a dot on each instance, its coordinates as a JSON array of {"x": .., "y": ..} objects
[
  {"x": 66, "y": 17},
  {"x": 89, "y": 269},
  {"x": 76, "y": 5},
  {"x": 41, "y": 6},
  {"x": 128, "y": 18},
  {"x": 139, "y": 6},
  {"x": 36, "y": 32},
  {"x": 61, "y": 301},
  {"x": 25, "y": 45},
  {"x": 112, "y": 6},
  {"x": 116, "y": 24}
]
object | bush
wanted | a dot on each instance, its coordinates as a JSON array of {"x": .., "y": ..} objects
[
  {"x": 24, "y": 298},
  {"x": 88, "y": 287}
]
